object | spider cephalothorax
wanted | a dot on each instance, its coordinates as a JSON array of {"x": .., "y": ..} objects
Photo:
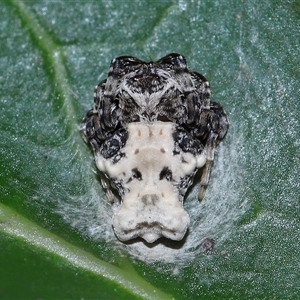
[{"x": 151, "y": 128}]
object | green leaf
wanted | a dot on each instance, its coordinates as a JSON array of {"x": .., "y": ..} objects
[
  {"x": 25, "y": 236},
  {"x": 56, "y": 238}
]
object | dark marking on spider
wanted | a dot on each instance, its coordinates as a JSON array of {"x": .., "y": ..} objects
[
  {"x": 136, "y": 174},
  {"x": 165, "y": 173}
]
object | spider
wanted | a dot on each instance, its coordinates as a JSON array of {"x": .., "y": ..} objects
[{"x": 151, "y": 128}]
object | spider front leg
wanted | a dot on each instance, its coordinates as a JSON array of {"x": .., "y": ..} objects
[{"x": 203, "y": 88}]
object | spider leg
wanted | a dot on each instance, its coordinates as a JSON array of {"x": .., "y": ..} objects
[
  {"x": 219, "y": 123},
  {"x": 209, "y": 151},
  {"x": 107, "y": 188},
  {"x": 203, "y": 87}
]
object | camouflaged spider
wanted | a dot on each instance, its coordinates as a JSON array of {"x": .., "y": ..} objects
[{"x": 151, "y": 128}]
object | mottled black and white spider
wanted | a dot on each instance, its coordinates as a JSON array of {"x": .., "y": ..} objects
[{"x": 151, "y": 128}]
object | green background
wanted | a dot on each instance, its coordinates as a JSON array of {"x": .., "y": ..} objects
[{"x": 56, "y": 240}]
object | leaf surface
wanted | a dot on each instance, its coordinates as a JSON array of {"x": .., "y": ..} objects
[{"x": 55, "y": 224}]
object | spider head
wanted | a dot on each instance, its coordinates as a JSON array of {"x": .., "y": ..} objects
[{"x": 147, "y": 77}]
